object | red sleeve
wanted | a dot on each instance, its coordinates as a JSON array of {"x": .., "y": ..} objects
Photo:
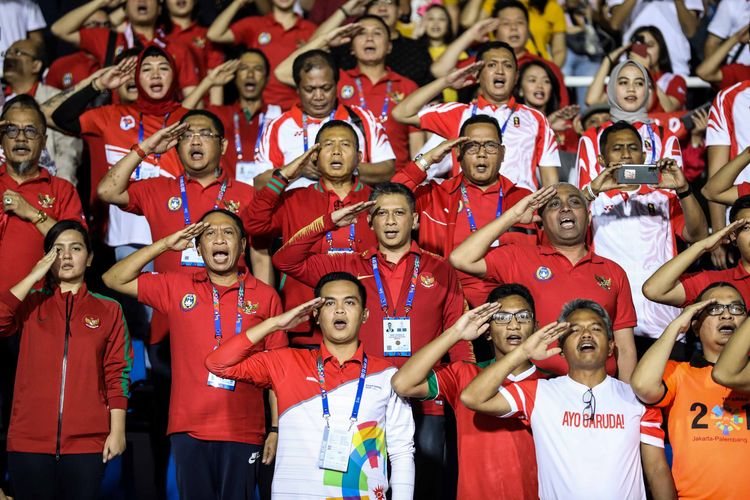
[
  {"x": 154, "y": 290},
  {"x": 55, "y": 75},
  {"x": 279, "y": 339},
  {"x": 94, "y": 41},
  {"x": 93, "y": 121},
  {"x": 215, "y": 56},
  {"x": 693, "y": 160},
  {"x": 139, "y": 193},
  {"x": 624, "y": 316},
  {"x": 187, "y": 69},
  {"x": 651, "y": 431},
  {"x": 743, "y": 189},
  {"x": 452, "y": 310},
  {"x": 70, "y": 204},
  {"x": 244, "y": 31},
  {"x": 676, "y": 217},
  {"x": 9, "y": 319},
  {"x": 238, "y": 359},
  {"x": 442, "y": 119},
  {"x": 410, "y": 176},
  {"x": 521, "y": 397},
  {"x": 268, "y": 209},
  {"x": 677, "y": 88},
  {"x": 733, "y": 73},
  {"x": 499, "y": 261},
  {"x": 448, "y": 386},
  {"x": 693, "y": 284},
  {"x": 118, "y": 362}
]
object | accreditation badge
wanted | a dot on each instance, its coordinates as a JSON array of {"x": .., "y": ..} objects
[
  {"x": 336, "y": 447},
  {"x": 246, "y": 171},
  {"x": 191, "y": 257},
  {"x": 220, "y": 383},
  {"x": 396, "y": 336}
]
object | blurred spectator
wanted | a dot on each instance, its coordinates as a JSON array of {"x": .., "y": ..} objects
[
  {"x": 20, "y": 19},
  {"x": 730, "y": 17},
  {"x": 586, "y": 42},
  {"x": 671, "y": 88},
  {"x": 66, "y": 71},
  {"x": 438, "y": 31},
  {"x": 713, "y": 68}
]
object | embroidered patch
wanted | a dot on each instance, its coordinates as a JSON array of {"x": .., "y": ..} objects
[
  {"x": 347, "y": 91},
  {"x": 46, "y": 201},
  {"x": 188, "y": 301},
  {"x": 543, "y": 273},
  {"x": 264, "y": 38},
  {"x": 91, "y": 322},
  {"x": 603, "y": 282},
  {"x": 174, "y": 203},
  {"x": 427, "y": 280},
  {"x": 232, "y": 205},
  {"x": 249, "y": 308},
  {"x": 127, "y": 122}
]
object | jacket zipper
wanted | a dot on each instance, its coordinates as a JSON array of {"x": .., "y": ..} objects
[{"x": 68, "y": 314}]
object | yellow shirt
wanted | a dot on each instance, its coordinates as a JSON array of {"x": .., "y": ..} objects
[
  {"x": 449, "y": 95},
  {"x": 541, "y": 26}
]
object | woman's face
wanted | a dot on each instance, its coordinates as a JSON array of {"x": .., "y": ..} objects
[
  {"x": 72, "y": 257},
  {"x": 536, "y": 87},
  {"x": 630, "y": 88},
  {"x": 435, "y": 24},
  {"x": 652, "y": 49},
  {"x": 156, "y": 76},
  {"x": 180, "y": 8}
]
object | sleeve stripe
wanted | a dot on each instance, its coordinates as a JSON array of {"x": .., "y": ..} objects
[
  {"x": 511, "y": 402},
  {"x": 653, "y": 441}
]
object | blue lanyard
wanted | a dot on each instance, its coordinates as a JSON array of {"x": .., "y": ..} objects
[
  {"x": 381, "y": 291},
  {"x": 304, "y": 127},
  {"x": 217, "y": 313},
  {"x": 238, "y": 139},
  {"x": 141, "y": 134},
  {"x": 653, "y": 144},
  {"x": 324, "y": 393},
  {"x": 475, "y": 107},
  {"x": 386, "y": 102},
  {"x": 183, "y": 195},
  {"x": 470, "y": 215},
  {"x": 329, "y": 238}
]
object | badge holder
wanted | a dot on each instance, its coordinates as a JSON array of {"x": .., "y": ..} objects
[
  {"x": 220, "y": 383},
  {"x": 246, "y": 171},
  {"x": 336, "y": 447},
  {"x": 396, "y": 336},
  {"x": 333, "y": 251},
  {"x": 191, "y": 257}
]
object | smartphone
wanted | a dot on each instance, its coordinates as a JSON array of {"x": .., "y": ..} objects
[
  {"x": 638, "y": 174},
  {"x": 639, "y": 49}
]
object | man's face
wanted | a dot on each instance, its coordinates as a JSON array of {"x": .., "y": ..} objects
[
  {"x": 714, "y": 331},
  {"x": 587, "y": 345},
  {"x": 392, "y": 220},
  {"x": 221, "y": 244},
  {"x": 22, "y": 152},
  {"x": 373, "y": 43},
  {"x": 21, "y": 61},
  {"x": 513, "y": 29},
  {"x": 180, "y": 8},
  {"x": 142, "y": 12},
  {"x": 508, "y": 336},
  {"x": 498, "y": 75},
  {"x": 565, "y": 216},
  {"x": 200, "y": 147},
  {"x": 72, "y": 258},
  {"x": 481, "y": 167},
  {"x": 317, "y": 92},
  {"x": 623, "y": 146},
  {"x": 338, "y": 155},
  {"x": 156, "y": 76},
  {"x": 596, "y": 119},
  {"x": 284, "y": 5},
  {"x": 386, "y": 10},
  {"x": 251, "y": 76},
  {"x": 342, "y": 312}
]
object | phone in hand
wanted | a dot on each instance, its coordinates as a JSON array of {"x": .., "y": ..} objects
[
  {"x": 639, "y": 49},
  {"x": 638, "y": 174}
]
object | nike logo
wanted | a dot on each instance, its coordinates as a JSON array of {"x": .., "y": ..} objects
[{"x": 362, "y": 276}]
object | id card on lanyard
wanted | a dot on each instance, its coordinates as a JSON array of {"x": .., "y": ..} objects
[
  {"x": 247, "y": 170},
  {"x": 470, "y": 214},
  {"x": 396, "y": 329},
  {"x": 213, "y": 380},
  {"x": 190, "y": 256},
  {"x": 337, "y": 437}
]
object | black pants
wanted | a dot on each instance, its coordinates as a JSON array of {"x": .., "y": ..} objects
[
  {"x": 429, "y": 457},
  {"x": 40, "y": 476},
  {"x": 215, "y": 470}
]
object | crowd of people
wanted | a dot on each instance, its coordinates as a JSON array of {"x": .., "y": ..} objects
[{"x": 375, "y": 249}]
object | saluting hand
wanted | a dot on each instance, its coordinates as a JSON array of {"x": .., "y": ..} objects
[
  {"x": 436, "y": 154},
  {"x": 298, "y": 315},
  {"x": 305, "y": 161},
  {"x": 524, "y": 210},
  {"x": 43, "y": 265},
  {"x": 683, "y": 320},
  {"x": 472, "y": 324},
  {"x": 183, "y": 238},
  {"x": 348, "y": 215},
  {"x": 342, "y": 35},
  {"x": 115, "y": 76},
  {"x": 481, "y": 30},
  {"x": 537, "y": 346},
  {"x": 464, "y": 77},
  {"x": 223, "y": 73},
  {"x": 164, "y": 139},
  {"x": 723, "y": 236}
]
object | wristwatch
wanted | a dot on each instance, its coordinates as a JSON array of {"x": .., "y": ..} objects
[{"x": 422, "y": 162}]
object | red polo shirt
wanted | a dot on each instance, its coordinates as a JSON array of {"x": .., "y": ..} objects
[
  {"x": 67, "y": 71},
  {"x": 279, "y": 213},
  {"x": 734, "y": 73},
  {"x": 373, "y": 97},
  {"x": 94, "y": 41},
  {"x": 206, "y": 412},
  {"x": 438, "y": 300},
  {"x": 695, "y": 283},
  {"x": 21, "y": 243},
  {"x": 554, "y": 281},
  {"x": 205, "y": 53},
  {"x": 265, "y": 33},
  {"x": 444, "y": 224}
]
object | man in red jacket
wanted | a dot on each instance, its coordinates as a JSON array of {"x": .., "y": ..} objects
[{"x": 414, "y": 296}]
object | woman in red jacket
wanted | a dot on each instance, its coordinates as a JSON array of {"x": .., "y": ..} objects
[{"x": 72, "y": 382}]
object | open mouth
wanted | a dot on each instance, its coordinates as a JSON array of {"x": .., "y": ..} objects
[
  {"x": 480, "y": 169},
  {"x": 391, "y": 234},
  {"x": 181, "y": 4},
  {"x": 567, "y": 222},
  {"x": 131, "y": 87},
  {"x": 586, "y": 346},
  {"x": 142, "y": 9},
  {"x": 539, "y": 94},
  {"x": 513, "y": 339},
  {"x": 727, "y": 328},
  {"x": 336, "y": 165},
  {"x": 220, "y": 256},
  {"x": 156, "y": 88},
  {"x": 514, "y": 38},
  {"x": 370, "y": 48},
  {"x": 21, "y": 149},
  {"x": 66, "y": 267},
  {"x": 250, "y": 86},
  {"x": 196, "y": 154},
  {"x": 499, "y": 82},
  {"x": 631, "y": 98},
  {"x": 339, "y": 324}
]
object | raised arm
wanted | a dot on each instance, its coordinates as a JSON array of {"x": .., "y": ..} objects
[
  {"x": 673, "y": 177},
  {"x": 688, "y": 19},
  {"x": 469, "y": 255},
  {"x": 68, "y": 26},
  {"x": 718, "y": 156},
  {"x": 732, "y": 369},
  {"x": 350, "y": 9},
  {"x": 710, "y": 68},
  {"x": 21, "y": 289},
  {"x": 596, "y": 92},
  {"x": 478, "y": 33},
  {"x": 216, "y": 78},
  {"x": 620, "y": 13},
  {"x": 219, "y": 31},
  {"x": 471, "y": 13},
  {"x": 720, "y": 187}
]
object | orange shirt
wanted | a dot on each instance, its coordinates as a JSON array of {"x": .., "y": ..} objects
[{"x": 709, "y": 430}]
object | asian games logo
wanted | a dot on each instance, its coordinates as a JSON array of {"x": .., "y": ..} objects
[
  {"x": 725, "y": 420},
  {"x": 543, "y": 273},
  {"x": 127, "y": 122},
  {"x": 188, "y": 301}
]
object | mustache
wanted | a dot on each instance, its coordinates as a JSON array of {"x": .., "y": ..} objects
[{"x": 10, "y": 64}]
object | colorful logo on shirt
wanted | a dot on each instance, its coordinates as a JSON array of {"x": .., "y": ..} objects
[
  {"x": 174, "y": 203},
  {"x": 725, "y": 420},
  {"x": 91, "y": 322},
  {"x": 232, "y": 205},
  {"x": 603, "y": 282},
  {"x": 264, "y": 38},
  {"x": 46, "y": 201},
  {"x": 67, "y": 80},
  {"x": 249, "y": 308},
  {"x": 127, "y": 122},
  {"x": 543, "y": 273},
  {"x": 188, "y": 301},
  {"x": 347, "y": 91},
  {"x": 199, "y": 42},
  {"x": 396, "y": 97},
  {"x": 427, "y": 280},
  {"x": 516, "y": 122},
  {"x": 368, "y": 453}
]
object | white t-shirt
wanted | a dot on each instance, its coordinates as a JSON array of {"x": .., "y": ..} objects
[
  {"x": 727, "y": 122},
  {"x": 730, "y": 17},
  {"x": 17, "y": 19},
  {"x": 663, "y": 15},
  {"x": 579, "y": 458}
]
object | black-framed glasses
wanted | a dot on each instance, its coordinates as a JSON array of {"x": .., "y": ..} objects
[
  {"x": 473, "y": 147},
  {"x": 202, "y": 134},
  {"x": 29, "y": 131},
  {"x": 735, "y": 309},
  {"x": 503, "y": 317},
  {"x": 19, "y": 53},
  {"x": 590, "y": 401}
]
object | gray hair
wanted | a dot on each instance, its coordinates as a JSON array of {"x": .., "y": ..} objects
[{"x": 578, "y": 304}]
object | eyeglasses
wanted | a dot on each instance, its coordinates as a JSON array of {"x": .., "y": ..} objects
[
  {"x": 202, "y": 134},
  {"x": 383, "y": 2},
  {"x": 590, "y": 401},
  {"x": 18, "y": 53},
  {"x": 12, "y": 131},
  {"x": 503, "y": 318},
  {"x": 491, "y": 147},
  {"x": 97, "y": 24},
  {"x": 734, "y": 309}
]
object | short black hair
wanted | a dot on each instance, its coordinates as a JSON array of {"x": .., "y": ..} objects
[
  {"x": 510, "y": 4},
  {"x": 376, "y": 18},
  {"x": 617, "y": 127},
  {"x": 313, "y": 59},
  {"x": 131, "y": 52},
  {"x": 235, "y": 219},
  {"x": 62, "y": 226},
  {"x": 717, "y": 284},
  {"x": 337, "y": 124},
  {"x": 385, "y": 188},
  {"x": 342, "y": 276},
  {"x": 25, "y": 101},
  {"x": 486, "y": 47},
  {"x": 509, "y": 289},
  {"x": 489, "y": 120},
  {"x": 251, "y": 50},
  {"x": 740, "y": 204},
  {"x": 202, "y": 112}
]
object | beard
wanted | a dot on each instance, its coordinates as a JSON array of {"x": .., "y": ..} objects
[{"x": 21, "y": 167}]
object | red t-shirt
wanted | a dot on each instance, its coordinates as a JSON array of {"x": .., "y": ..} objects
[
  {"x": 734, "y": 73},
  {"x": 21, "y": 243},
  {"x": 554, "y": 281},
  {"x": 206, "y": 412},
  {"x": 265, "y": 33},
  {"x": 205, "y": 53},
  {"x": 671, "y": 84},
  {"x": 68, "y": 70},
  {"x": 695, "y": 283}
]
